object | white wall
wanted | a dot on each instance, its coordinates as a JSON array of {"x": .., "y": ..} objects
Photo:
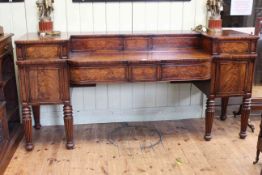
[{"x": 117, "y": 102}]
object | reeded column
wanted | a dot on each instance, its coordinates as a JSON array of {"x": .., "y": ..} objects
[
  {"x": 210, "y": 112},
  {"x": 27, "y": 124},
  {"x": 68, "y": 121},
  {"x": 246, "y": 107}
]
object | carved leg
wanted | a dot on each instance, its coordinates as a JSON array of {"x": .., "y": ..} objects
[
  {"x": 68, "y": 119},
  {"x": 245, "y": 115},
  {"x": 210, "y": 111},
  {"x": 36, "y": 114},
  {"x": 224, "y": 108},
  {"x": 27, "y": 124},
  {"x": 250, "y": 125}
]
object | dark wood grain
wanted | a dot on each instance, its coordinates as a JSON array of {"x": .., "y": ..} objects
[
  {"x": 27, "y": 123},
  {"x": 221, "y": 65},
  {"x": 210, "y": 112},
  {"x": 245, "y": 111}
]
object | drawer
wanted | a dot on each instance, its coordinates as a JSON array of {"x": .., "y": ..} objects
[
  {"x": 5, "y": 46},
  {"x": 42, "y": 51},
  {"x": 234, "y": 47},
  {"x": 186, "y": 72},
  {"x": 88, "y": 75},
  {"x": 143, "y": 73}
]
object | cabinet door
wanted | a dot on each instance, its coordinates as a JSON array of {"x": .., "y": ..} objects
[
  {"x": 233, "y": 77},
  {"x": 43, "y": 81}
]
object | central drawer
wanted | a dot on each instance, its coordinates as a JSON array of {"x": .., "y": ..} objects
[{"x": 143, "y": 72}]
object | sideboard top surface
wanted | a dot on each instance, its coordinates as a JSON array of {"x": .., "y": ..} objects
[
  {"x": 83, "y": 58},
  {"x": 64, "y": 37}
]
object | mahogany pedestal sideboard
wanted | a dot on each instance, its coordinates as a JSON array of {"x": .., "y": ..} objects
[
  {"x": 220, "y": 65},
  {"x": 10, "y": 127}
]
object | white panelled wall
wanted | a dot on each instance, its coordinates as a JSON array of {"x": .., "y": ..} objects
[{"x": 126, "y": 101}]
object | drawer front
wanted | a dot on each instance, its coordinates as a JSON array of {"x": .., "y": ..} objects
[
  {"x": 87, "y": 75},
  {"x": 184, "y": 72},
  {"x": 43, "y": 83},
  {"x": 39, "y": 51},
  {"x": 231, "y": 47},
  {"x": 42, "y": 51},
  {"x": 5, "y": 46},
  {"x": 143, "y": 73}
]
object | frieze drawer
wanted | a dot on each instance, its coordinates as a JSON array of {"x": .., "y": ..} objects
[
  {"x": 184, "y": 72},
  {"x": 87, "y": 75}
]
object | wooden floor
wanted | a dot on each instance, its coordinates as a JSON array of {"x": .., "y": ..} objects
[{"x": 116, "y": 149}]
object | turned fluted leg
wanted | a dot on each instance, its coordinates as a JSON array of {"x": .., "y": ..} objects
[
  {"x": 224, "y": 104},
  {"x": 68, "y": 119},
  {"x": 245, "y": 115},
  {"x": 36, "y": 114},
  {"x": 210, "y": 112},
  {"x": 27, "y": 124}
]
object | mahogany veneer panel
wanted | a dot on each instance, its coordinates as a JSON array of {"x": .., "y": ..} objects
[
  {"x": 172, "y": 42},
  {"x": 137, "y": 43},
  {"x": 133, "y": 42},
  {"x": 95, "y": 44},
  {"x": 90, "y": 75},
  {"x": 234, "y": 47},
  {"x": 48, "y": 80},
  {"x": 186, "y": 72},
  {"x": 234, "y": 84},
  {"x": 42, "y": 51},
  {"x": 144, "y": 72}
]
